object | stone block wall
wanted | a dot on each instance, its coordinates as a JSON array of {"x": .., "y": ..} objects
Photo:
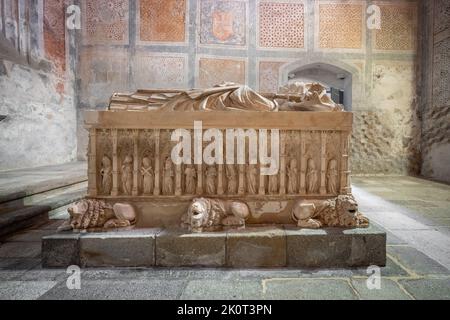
[
  {"x": 36, "y": 89},
  {"x": 435, "y": 102},
  {"x": 125, "y": 45}
]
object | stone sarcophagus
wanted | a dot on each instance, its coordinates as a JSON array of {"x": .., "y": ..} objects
[
  {"x": 223, "y": 177},
  {"x": 228, "y": 152}
]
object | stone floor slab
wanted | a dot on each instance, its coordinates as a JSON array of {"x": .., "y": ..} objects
[
  {"x": 24, "y": 290},
  {"x": 416, "y": 261},
  {"x": 428, "y": 289},
  {"x": 389, "y": 290},
  {"x": 308, "y": 289},
  {"x": 223, "y": 290},
  {"x": 151, "y": 289}
]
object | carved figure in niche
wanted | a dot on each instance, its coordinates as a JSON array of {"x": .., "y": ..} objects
[
  {"x": 95, "y": 214},
  {"x": 251, "y": 174},
  {"x": 147, "y": 176},
  {"x": 312, "y": 177},
  {"x": 341, "y": 211},
  {"x": 211, "y": 174},
  {"x": 292, "y": 176},
  {"x": 232, "y": 179},
  {"x": 168, "y": 177},
  {"x": 205, "y": 214},
  {"x": 190, "y": 175},
  {"x": 127, "y": 175},
  {"x": 106, "y": 174},
  {"x": 273, "y": 184},
  {"x": 332, "y": 177}
]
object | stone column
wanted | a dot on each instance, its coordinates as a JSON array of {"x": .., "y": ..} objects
[
  {"x": 303, "y": 163},
  {"x": 241, "y": 187},
  {"x": 220, "y": 190},
  {"x": 178, "y": 190},
  {"x": 157, "y": 189},
  {"x": 323, "y": 162},
  {"x": 92, "y": 163},
  {"x": 135, "y": 190},
  {"x": 115, "y": 164},
  {"x": 262, "y": 182},
  {"x": 199, "y": 190},
  {"x": 345, "y": 171},
  {"x": 283, "y": 163}
]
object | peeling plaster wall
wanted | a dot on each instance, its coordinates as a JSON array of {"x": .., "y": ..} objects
[
  {"x": 36, "y": 85},
  {"x": 196, "y": 43},
  {"x": 40, "y": 128}
]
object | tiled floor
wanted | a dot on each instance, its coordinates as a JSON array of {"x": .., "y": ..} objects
[{"x": 414, "y": 212}]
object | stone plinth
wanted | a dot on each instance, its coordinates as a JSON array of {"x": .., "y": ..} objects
[{"x": 255, "y": 247}]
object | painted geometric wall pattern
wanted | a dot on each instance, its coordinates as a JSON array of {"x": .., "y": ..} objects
[
  {"x": 268, "y": 76},
  {"x": 153, "y": 71},
  {"x": 340, "y": 26},
  {"x": 214, "y": 71},
  {"x": 54, "y": 33},
  {"x": 398, "y": 28},
  {"x": 441, "y": 74},
  {"x": 281, "y": 25},
  {"x": 106, "y": 21},
  {"x": 162, "y": 21},
  {"x": 103, "y": 72},
  {"x": 441, "y": 15},
  {"x": 223, "y": 22}
]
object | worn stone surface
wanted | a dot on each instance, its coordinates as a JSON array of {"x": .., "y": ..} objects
[
  {"x": 308, "y": 289},
  {"x": 334, "y": 247},
  {"x": 147, "y": 289},
  {"x": 20, "y": 250},
  {"x": 389, "y": 290},
  {"x": 24, "y": 290},
  {"x": 61, "y": 250},
  {"x": 428, "y": 289},
  {"x": 121, "y": 248},
  {"x": 178, "y": 248},
  {"x": 416, "y": 261},
  {"x": 256, "y": 247},
  {"x": 222, "y": 290}
]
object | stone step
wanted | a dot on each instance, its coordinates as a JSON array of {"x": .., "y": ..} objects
[
  {"x": 23, "y": 218},
  {"x": 28, "y": 197},
  {"x": 54, "y": 198},
  {"x": 37, "y": 209},
  {"x": 23, "y": 183}
]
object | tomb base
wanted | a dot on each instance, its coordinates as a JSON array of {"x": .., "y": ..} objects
[{"x": 257, "y": 246}]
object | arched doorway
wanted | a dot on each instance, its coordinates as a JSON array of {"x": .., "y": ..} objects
[{"x": 337, "y": 77}]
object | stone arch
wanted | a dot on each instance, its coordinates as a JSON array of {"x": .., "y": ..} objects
[{"x": 349, "y": 75}]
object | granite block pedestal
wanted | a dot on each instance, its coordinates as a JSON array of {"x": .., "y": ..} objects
[{"x": 254, "y": 247}]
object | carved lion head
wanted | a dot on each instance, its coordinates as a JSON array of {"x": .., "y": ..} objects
[
  {"x": 198, "y": 214},
  {"x": 347, "y": 210},
  {"x": 76, "y": 212}
]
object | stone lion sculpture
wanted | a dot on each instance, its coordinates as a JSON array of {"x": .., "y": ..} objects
[
  {"x": 97, "y": 214},
  {"x": 206, "y": 214},
  {"x": 341, "y": 211}
]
